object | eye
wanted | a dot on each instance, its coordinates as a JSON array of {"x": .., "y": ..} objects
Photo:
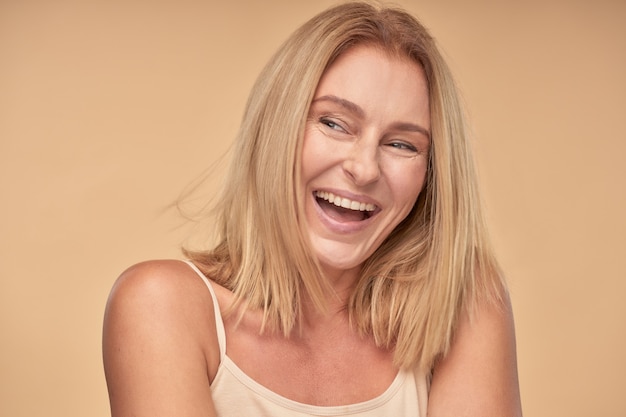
[
  {"x": 402, "y": 146},
  {"x": 332, "y": 124}
]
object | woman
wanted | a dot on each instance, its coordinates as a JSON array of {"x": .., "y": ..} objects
[{"x": 352, "y": 275}]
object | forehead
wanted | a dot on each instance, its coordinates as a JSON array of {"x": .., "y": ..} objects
[
  {"x": 367, "y": 59},
  {"x": 381, "y": 83}
]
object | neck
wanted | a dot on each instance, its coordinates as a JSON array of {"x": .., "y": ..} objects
[{"x": 342, "y": 284}]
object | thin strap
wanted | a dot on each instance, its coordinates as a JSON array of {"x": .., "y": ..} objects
[
  {"x": 422, "y": 383},
  {"x": 219, "y": 323}
]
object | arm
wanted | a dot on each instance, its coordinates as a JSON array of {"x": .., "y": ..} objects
[
  {"x": 478, "y": 377},
  {"x": 159, "y": 344}
]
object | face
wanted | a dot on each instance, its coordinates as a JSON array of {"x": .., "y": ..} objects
[{"x": 365, "y": 154}]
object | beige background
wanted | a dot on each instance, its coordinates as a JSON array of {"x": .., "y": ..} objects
[{"x": 108, "y": 109}]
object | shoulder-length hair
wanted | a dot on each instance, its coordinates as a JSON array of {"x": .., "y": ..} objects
[{"x": 436, "y": 263}]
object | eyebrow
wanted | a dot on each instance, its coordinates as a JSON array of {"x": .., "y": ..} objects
[
  {"x": 359, "y": 112},
  {"x": 347, "y": 104}
]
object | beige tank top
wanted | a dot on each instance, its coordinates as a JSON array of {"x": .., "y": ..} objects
[{"x": 236, "y": 394}]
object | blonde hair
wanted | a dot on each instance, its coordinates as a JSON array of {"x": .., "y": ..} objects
[{"x": 436, "y": 262}]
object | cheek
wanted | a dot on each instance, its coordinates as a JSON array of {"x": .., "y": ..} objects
[
  {"x": 311, "y": 154},
  {"x": 409, "y": 184},
  {"x": 319, "y": 154}
]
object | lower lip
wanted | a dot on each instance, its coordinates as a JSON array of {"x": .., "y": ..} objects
[{"x": 341, "y": 227}]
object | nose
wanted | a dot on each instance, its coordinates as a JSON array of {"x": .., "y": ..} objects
[{"x": 362, "y": 164}]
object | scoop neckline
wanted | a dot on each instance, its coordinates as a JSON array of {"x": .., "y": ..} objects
[{"x": 322, "y": 410}]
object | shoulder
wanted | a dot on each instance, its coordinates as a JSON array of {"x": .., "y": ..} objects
[
  {"x": 156, "y": 281},
  {"x": 155, "y": 303},
  {"x": 159, "y": 336},
  {"x": 167, "y": 291},
  {"x": 478, "y": 376},
  {"x": 161, "y": 287}
]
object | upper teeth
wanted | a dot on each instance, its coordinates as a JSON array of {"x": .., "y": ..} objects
[{"x": 345, "y": 202}]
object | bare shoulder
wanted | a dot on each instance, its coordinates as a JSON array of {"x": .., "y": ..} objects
[
  {"x": 159, "y": 282},
  {"x": 165, "y": 290},
  {"x": 159, "y": 341},
  {"x": 478, "y": 377}
]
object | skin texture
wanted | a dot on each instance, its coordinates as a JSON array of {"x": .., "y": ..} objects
[
  {"x": 369, "y": 145},
  {"x": 478, "y": 377},
  {"x": 159, "y": 342}
]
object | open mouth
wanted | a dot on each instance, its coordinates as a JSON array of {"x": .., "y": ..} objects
[{"x": 343, "y": 209}]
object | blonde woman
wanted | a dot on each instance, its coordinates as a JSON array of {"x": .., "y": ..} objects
[{"x": 353, "y": 274}]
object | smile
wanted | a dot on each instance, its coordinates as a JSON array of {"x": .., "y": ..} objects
[{"x": 345, "y": 203}]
